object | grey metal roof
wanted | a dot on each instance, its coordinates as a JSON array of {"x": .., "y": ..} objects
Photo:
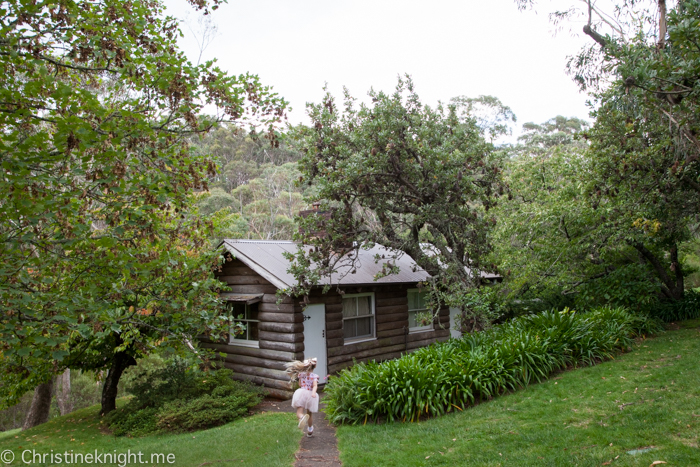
[
  {"x": 266, "y": 258},
  {"x": 430, "y": 250}
]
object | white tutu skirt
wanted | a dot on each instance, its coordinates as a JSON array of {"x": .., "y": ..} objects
[{"x": 302, "y": 398}]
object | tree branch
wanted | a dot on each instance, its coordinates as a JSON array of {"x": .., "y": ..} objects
[
  {"x": 594, "y": 35},
  {"x": 667, "y": 283}
]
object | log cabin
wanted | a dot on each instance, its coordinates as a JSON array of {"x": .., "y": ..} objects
[{"x": 358, "y": 320}]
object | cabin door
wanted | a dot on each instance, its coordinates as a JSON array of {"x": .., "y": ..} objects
[{"x": 315, "y": 338}]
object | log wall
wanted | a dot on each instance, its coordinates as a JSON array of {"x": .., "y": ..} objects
[
  {"x": 281, "y": 333},
  {"x": 281, "y": 330},
  {"x": 391, "y": 331}
]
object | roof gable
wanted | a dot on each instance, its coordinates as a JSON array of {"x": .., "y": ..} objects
[{"x": 265, "y": 257}]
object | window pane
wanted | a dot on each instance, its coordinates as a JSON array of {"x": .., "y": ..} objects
[
  {"x": 243, "y": 335},
  {"x": 412, "y": 300},
  {"x": 349, "y": 307},
  {"x": 237, "y": 309},
  {"x": 416, "y": 300},
  {"x": 364, "y": 326},
  {"x": 252, "y": 311},
  {"x": 412, "y": 319},
  {"x": 421, "y": 300},
  {"x": 364, "y": 306},
  {"x": 350, "y": 328},
  {"x": 252, "y": 330}
]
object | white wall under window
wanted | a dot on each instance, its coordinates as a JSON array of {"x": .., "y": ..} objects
[{"x": 358, "y": 317}]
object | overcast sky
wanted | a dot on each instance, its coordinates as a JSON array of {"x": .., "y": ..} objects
[{"x": 450, "y": 48}]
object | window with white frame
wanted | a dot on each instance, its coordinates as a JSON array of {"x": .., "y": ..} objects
[
  {"x": 358, "y": 316},
  {"x": 419, "y": 317},
  {"x": 247, "y": 315}
]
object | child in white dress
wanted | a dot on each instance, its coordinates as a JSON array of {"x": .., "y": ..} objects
[{"x": 305, "y": 398}]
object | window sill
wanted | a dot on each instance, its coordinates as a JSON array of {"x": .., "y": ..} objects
[
  {"x": 242, "y": 343},
  {"x": 421, "y": 329},
  {"x": 359, "y": 339}
]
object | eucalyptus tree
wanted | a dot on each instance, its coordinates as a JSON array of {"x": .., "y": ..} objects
[
  {"x": 96, "y": 106},
  {"x": 642, "y": 69},
  {"x": 415, "y": 179},
  {"x": 242, "y": 155},
  {"x": 563, "y": 239},
  {"x": 269, "y": 203},
  {"x": 541, "y": 241}
]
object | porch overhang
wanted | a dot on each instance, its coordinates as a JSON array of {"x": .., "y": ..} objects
[{"x": 246, "y": 298}]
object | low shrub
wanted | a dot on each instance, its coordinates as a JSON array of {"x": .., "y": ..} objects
[
  {"x": 132, "y": 421},
  {"x": 177, "y": 397},
  {"x": 452, "y": 375},
  {"x": 153, "y": 385},
  {"x": 680, "y": 310},
  {"x": 141, "y": 372},
  {"x": 205, "y": 411}
]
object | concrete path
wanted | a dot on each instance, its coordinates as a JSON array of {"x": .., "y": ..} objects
[{"x": 321, "y": 449}]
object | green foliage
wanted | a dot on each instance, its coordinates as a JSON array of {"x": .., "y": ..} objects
[
  {"x": 548, "y": 239},
  {"x": 152, "y": 386},
  {"x": 262, "y": 207},
  {"x": 270, "y": 202},
  {"x": 136, "y": 422},
  {"x": 140, "y": 373},
  {"x": 228, "y": 224},
  {"x": 690, "y": 258},
  {"x": 645, "y": 146},
  {"x": 175, "y": 396},
  {"x": 398, "y": 173},
  {"x": 643, "y": 166},
  {"x": 490, "y": 114},
  {"x": 85, "y": 391},
  {"x": 241, "y": 155},
  {"x": 13, "y": 416},
  {"x": 686, "y": 308},
  {"x": 556, "y": 132},
  {"x": 97, "y": 105},
  {"x": 207, "y": 411},
  {"x": 632, "y": 286},
  {"x": 480, "y": 307},
  {"x": 588, "y": 417},
  {"x": 550, "y": 299},
  {"x": 569, "y": 230},
  {"x": 268, "y": 438},
  {"x": 216, "y": 200},
  {"x": 437, "y": 379}
]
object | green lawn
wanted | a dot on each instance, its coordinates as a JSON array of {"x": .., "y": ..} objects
[
  {"x": 269, "y": 439},
  {"x": 591, "y": 416}
]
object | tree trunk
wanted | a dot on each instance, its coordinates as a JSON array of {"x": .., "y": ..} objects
[
  {"x": 679, "y": 286},
  {"x": 662, "y": 24},
  {"x": 41, "y": 405},
  {"x": 109, "y": 391},
  {"x": 671, "y": 287},
  {"x": 63, "y": 394}
]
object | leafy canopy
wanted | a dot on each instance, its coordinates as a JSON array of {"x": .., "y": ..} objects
[
  {"x": 401, "y": 174},
  {"x": 96, "y": 105},
  {"x": 639, "y": 180}
]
